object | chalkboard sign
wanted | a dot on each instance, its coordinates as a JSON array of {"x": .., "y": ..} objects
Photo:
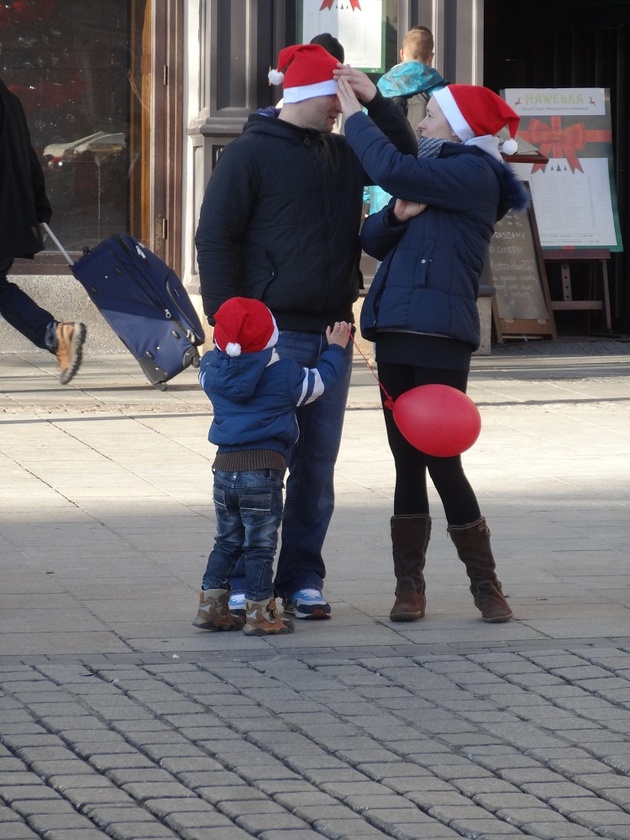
[{"x": 516, "y": 269}]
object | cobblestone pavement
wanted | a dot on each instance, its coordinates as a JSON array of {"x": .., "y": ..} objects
[
  {"x": 119, "y": 720},
  {"x": 400, "y": 743}
]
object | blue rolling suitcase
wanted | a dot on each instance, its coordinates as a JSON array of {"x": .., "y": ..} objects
[{"x": 144, "y": 302}]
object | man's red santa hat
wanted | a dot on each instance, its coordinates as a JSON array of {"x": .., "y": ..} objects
[{"x": 305, "y": 71}]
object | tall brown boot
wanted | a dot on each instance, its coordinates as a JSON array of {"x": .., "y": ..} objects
[
  {"x": 410, "y": 538},
  {"x": 473, "y": 547}
]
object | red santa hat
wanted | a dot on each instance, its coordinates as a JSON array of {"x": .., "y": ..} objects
[
  {"x": 244, "y": 325},
  {"x": 473, "y": 111},
  {"x": 305, "y": 71}
]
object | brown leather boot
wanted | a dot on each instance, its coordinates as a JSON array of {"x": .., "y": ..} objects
[
  {"x": 214, "y": 613},
  {"x": 472, "y": 542},
  {"x": 410, "y": 538}
]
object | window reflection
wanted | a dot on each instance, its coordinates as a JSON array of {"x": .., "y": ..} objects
[{"x": 69, "y": 63}]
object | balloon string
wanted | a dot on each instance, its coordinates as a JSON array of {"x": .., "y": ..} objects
[{"x": 389, "y": 402}]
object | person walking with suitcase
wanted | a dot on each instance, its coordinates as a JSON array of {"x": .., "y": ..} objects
[
  {"x": 254, "y": 394},
  {"x": 23, "y": 207}
]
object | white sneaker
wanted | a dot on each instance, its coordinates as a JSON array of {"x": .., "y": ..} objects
[
  {"x": 308, "y": 604},
  {"x": 236, "y": 602}
]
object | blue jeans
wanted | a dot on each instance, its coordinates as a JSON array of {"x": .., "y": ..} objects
[
  {"x": 248, "y": 508},
  {"x": 310, "y": 494},
  {"x": 23, "y": 314}
]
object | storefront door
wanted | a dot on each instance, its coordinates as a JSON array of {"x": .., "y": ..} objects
[{"x": 97, "y": 83}]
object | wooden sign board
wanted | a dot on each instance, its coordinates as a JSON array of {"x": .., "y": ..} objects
[{"x": 516, "y": 268}]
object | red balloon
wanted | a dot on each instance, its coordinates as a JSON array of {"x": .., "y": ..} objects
[{"x": 438, "y": 419}]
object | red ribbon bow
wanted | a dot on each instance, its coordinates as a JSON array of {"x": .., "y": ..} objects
[
  {"x": 553, "y": 141},
  {"x": 557, "y": 142}
]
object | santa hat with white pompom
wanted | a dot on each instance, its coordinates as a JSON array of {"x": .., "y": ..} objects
[
  {"x": 304, "y": 71},
  {"x": 474, "y": 111},
  {"x": 244, "y": 325}
]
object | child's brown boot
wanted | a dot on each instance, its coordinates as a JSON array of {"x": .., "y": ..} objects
[
  {"x": 261, "y": 619},
  {"x": 214, "y": 612}
]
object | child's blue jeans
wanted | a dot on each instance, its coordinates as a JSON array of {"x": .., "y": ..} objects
[{"x": 248, "y": 508}]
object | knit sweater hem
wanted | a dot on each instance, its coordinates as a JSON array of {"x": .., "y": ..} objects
[{"x": 248, "y": 460}]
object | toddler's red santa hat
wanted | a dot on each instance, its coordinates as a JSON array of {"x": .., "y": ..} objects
[
  {"x": 244, "y": 325},
  {"x": 473, "y": 111},
  {"x": 305, "y": 71}
]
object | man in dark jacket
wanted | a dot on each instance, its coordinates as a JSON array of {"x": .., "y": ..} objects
[
  {"x": 280, "y": 222},
  {"x": 23, "y": 206}
]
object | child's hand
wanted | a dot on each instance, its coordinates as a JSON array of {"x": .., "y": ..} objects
[{"x": 339, "y": 333}]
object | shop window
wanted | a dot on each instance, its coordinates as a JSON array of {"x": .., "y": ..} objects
[{"x": 76, "y": 69}]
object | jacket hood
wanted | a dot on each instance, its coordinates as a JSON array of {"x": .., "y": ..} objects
[
  {"x": 409, "y": 78},
  {"x": 267, "y": 121},
  {"x": 514, "y": 196},
  {"x": 234, "y": 377}
]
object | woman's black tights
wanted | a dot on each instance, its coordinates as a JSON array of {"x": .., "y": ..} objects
[{"x": 447, "y": 474}]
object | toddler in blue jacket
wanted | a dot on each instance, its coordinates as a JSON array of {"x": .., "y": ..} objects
[{"x": 254, "y": 394}]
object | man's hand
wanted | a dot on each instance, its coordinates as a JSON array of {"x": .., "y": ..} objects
[
  {"x": 339, "y": 333},
  {"x": 361, "y": 84}
]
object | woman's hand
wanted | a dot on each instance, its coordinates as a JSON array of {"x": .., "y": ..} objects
[
  {"x": 361, "y": 84},
  {"x": 347, "y": 99},
  {"x": 405, "y": 210}
]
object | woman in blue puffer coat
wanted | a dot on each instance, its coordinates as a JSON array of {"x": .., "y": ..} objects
[{"x": 421, "y": 309}]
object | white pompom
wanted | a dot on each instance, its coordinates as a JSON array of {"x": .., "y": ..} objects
[
  {"x": 233, "y": 349},
  {"x": 275, "y": 77},
  {"x": 510, "y": 147}
]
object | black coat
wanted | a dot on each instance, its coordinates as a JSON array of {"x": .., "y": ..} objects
[
  {"x": 280, "y": 220},
  {"x": 23, "y": 201}
]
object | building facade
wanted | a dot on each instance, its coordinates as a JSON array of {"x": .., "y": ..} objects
[{"x": 131, "y": 101}]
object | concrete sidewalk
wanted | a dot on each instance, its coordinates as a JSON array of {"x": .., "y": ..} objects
[{"x": 119, "y": 719}]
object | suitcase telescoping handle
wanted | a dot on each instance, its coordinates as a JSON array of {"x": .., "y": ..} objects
[{"x": 69, "y": 259}]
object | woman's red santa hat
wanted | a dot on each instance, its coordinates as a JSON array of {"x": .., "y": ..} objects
[
  {"x": 244, "y": 325},
  {"x": 474, "y": 111},
  {"x": 305, "y": 71}
]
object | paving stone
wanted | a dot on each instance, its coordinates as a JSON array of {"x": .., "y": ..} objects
[
  {"x": 141, "y": 790},
  {"x": 15, "y": 793},
  {"x": 26, "y": 807},
  {"x": 485, "y": 828},
  {"x": 141, "y": 831},
  {"x": 553, "y": 830},
  {"x": 45, "y": 823},
  {"x": 257, "y": 823},
  {"x": 296, "y": 834},
  {"x": 17, "y": 831},
  {"x": 181, "y": 822},
  {"x": 242, "y": 792},
  {"x": 76, "y": 834},
  {"x": 421, "y": 831}
]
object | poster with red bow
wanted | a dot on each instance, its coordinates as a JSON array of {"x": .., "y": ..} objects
[
  {"x": 359, "y": 26},
  {"x": 573, "y": 193}
]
